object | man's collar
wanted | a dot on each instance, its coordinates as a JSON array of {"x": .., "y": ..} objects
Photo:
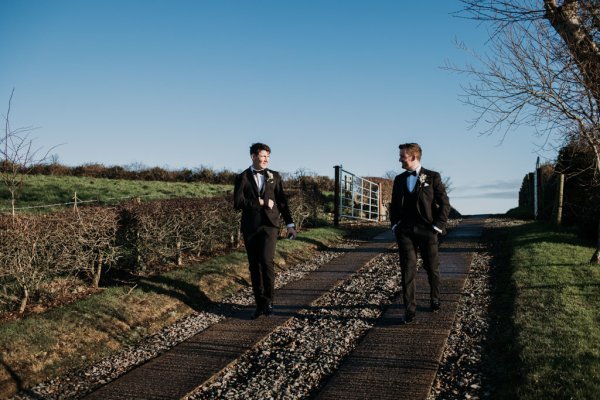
[{"x": 417, "y": 170}]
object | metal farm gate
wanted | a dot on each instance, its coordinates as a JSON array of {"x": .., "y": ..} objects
[{"x": 356, "y": 197}]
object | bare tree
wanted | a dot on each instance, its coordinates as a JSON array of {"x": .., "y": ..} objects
[
  {"x": 17, "y": 155},
  {"x": 391, "y": 174},
  {"x": 542, "y": 70}
]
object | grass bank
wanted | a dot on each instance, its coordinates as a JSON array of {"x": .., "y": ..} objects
[
  {"x": 42, "y": 346},
  {"x": 545, "y": 341},
  {"x": 47, "y": 189}
]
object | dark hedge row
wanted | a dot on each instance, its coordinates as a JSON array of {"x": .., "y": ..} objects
[
  {"x": 139, "y": 238},
  {"x": 201, "y": 174}
]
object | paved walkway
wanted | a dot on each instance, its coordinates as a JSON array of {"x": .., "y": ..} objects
[
  {"x": 392, "y": 361},
  {"x": 396, "y": 361}
]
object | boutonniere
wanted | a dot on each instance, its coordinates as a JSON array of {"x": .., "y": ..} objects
[
  {"x": 269, "y": 177},
  {"x": 423, "y": 180}
]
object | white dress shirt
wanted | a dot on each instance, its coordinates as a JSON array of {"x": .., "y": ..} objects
[{"x": 258, "y": 178}]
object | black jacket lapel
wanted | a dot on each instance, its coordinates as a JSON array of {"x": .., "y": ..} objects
[{"x": 250, "y": 177}]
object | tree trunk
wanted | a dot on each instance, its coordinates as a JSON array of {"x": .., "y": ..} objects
[
  {"x": 97, "y": 273},
  {"x": 12, "y": 204},
  {"x": 24, "y": 300},
  {"x": 179, "y": 258},
  {"x": 566, "y": 21}
]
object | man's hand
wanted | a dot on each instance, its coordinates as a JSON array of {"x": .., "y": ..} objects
[
  {"x": 291, "y": 233},
  {"x": 270, "y": 204}
]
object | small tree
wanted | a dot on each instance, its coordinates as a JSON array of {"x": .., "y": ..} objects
[
  {"x": 31, "y": 253},
  {"x": 17, "y": 156},
  {"x": 94, "y": 232}
]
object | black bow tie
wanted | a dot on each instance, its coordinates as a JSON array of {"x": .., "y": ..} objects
[
  {"x": 261, "y": 172},
  {"x": 413, "y": 173}
]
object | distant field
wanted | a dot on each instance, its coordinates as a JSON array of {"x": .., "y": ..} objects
[{"x": 42, "y": 190}]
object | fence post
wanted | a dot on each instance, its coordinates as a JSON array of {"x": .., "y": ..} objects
[
  {"x": 559, "y": 200},
  {"x": 536, "y": 188},
  {"x": 336, "y": 196}
]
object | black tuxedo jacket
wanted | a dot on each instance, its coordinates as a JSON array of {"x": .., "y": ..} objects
[
  {"x": 245, "y": 198},
  {"x": 433, "y": 205}
]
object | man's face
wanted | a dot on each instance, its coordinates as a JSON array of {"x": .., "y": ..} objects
[
  {"x": 260, "y": 160},
  {"x": 408, "y": 161}
]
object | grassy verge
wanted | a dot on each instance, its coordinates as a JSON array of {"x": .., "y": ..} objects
[
  {"x": 545, "y": 341},
  {"x": 46, "y": 345},
  {"x": 43, "y": 190}
]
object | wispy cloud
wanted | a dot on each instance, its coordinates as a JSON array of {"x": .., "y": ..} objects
[
  {"x": 495, "y": 190},
  {"x": 506, "y": 194},
  {"x": 497, "y": 185}
]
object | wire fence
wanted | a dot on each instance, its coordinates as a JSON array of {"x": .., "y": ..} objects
[{"x": 78, "y": 201}]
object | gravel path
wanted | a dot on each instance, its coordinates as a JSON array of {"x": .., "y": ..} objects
[
  {"x": 293, "y": 361},
  {"x": 461, "y": 374}
]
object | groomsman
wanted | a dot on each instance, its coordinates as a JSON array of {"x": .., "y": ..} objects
[
  {"x": 259, "y": 194},
  {"x": 418, "y": 214}
]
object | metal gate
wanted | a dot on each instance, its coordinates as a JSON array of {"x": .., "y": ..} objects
[{"x": 356, "y": 197}]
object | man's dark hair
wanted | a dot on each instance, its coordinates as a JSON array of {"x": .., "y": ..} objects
[
  {"x": 413, "y": 149},
  {"x": 257, "y": 147}
]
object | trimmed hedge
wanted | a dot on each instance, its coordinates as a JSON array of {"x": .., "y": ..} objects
[{"x": 139, "y": 238}]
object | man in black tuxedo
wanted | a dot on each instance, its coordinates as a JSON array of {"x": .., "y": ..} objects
[
  {"x": 418, "y": 214},
  {"x": 259, "y": 194}
]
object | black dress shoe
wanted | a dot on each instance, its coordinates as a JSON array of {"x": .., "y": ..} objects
[
  {"x": 409, "y": 318},
  {"x": 268, "y": 310},
  {"x": 435, "y": 305}
]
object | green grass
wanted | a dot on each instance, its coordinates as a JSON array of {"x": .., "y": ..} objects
[
  {"x": 548, "y": 301},
  {"x": 65, "y": 338},
  {"x": 42, "y": 190}
]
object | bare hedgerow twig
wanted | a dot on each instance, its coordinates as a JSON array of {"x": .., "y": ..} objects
[{"x": 17, "y": 155}]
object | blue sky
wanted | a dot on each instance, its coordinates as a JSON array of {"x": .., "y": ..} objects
[{"x": 193, "y": 83}]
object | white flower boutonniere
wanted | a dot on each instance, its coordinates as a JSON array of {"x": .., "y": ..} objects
[
  {"x": 269, "y": 177},
  {"x": 423, "y": 180}
]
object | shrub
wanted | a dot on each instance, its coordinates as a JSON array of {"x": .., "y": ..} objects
[
  {"x": 163, "y": 231},
  {"x": 40, "y": 250},
  {"x": 33, "y": 250}
]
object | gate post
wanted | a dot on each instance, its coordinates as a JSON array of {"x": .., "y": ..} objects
[
  {"x": 336, "y": 196},
  {"x": 559, "y": 200},
  {"x": 379, "y": 202}
]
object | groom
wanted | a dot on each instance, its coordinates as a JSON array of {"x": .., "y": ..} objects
[
  {"x": 418, "y": 214},
  {"x": 259, "y": 194}
]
